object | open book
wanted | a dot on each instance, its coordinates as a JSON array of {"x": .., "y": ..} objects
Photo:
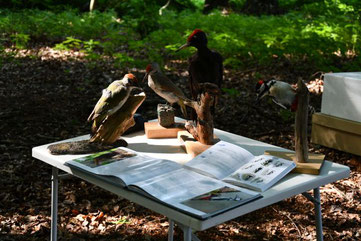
[
  {"x": 234, "y": 164},
  {"x": 165, "y": 181}
]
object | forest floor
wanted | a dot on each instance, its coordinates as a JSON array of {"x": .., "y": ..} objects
[{"x": 47, "y": 95}]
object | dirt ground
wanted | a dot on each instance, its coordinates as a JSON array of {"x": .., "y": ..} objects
[{"x": 47, "y": 95}]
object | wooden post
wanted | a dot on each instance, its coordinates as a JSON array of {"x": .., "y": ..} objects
[
  {"x": 301, "y": 122},
  {"x": 305, "y": 162}
]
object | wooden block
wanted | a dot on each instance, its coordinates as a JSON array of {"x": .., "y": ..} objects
[
  {"x": 190, "y": 145},
  {"x": 312, "y": 166},
  {"x": 154, "y": 131},
  {"x": 337, "y": 133}
]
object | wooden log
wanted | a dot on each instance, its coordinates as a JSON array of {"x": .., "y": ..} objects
[
  {"x": 301, "y": 122},
  {"x": 115, "y": 125},
  {"x": 82, "y": 147}
]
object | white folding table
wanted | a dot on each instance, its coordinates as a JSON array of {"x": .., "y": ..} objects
[{"x": 170, "y": 149}]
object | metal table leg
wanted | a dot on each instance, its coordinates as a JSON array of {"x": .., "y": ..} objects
[
  {"x": 316, "y": 199},
  {"x": 187, "y": 233},
  {"x": 316, "y": 194},
  {"x": 54, "y": 204},
  {"x": 171, "y": 230}
]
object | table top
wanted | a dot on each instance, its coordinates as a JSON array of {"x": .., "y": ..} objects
[{"x": 292, "y": 184}]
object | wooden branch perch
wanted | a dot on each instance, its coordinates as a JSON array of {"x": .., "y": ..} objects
[
  {"x": 301, "y": 122},
  {"x": 115, "y": 125},
  {"x": 203, "y": 131}
]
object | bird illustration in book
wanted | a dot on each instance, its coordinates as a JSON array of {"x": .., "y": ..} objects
[
  {"x": 112, "y": 99},
  {"x": 164, "y": 87}
]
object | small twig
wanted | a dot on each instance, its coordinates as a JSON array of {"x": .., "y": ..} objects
[
  {"x": 164, "y": 7},
  {"x": 289, "y": 218},
  {"x": 266, "y": 133},
  {"x": 47, "y": 137}
]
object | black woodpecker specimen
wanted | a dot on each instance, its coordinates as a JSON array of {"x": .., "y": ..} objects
[
  {"x": 282, "y": 93},
  {"x": 205, "y": 65}
]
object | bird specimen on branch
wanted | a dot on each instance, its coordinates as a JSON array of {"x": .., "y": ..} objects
[
  {"x": 112, "y": 116},
  {"x": 112, "y": 99},
  {"x": 205, "y": 65},
  {"x": 282, "y": 94},
  {"x": 164, "y": 87}
]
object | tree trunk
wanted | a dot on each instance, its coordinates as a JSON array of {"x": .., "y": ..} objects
[{"x": 301, "y": 122}]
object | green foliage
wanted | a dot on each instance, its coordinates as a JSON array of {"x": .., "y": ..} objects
[
  {"x": 20, "y": 40},
  {"x": 54, "y": 26},
  {"x": 122, "y": 220},
  {"x": 77, "y": 44},
  {"x": 234, "y": 93},
  {"x": 286, "y": 115},
  {"x": 134, "y": 33}
]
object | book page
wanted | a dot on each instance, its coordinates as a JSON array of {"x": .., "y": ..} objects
[
  {"x": 184, "y": 189},
  {"x": 125, "y": 164},
  {"x": 261, "y": 172},
  {"x": 220, "y": 160},
  {"x": 220, "y": 199}
]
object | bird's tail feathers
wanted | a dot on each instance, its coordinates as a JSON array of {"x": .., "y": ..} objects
[{"x": 183, "y": 107}]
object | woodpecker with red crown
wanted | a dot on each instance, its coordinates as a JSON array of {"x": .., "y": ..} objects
[
  {"x": 112, "y": 99},
  {"x": 164, "y": 87},
  {"x": 282, "y": 93},
  {"x": 205, "y": 65}
]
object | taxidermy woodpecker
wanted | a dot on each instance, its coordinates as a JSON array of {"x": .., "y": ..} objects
[
  {"x": 282, "y": 93},
  {"x": 112, "y": 99},
  {"x": 205, "y": 65},
  {"x": 164, "y": 87}
]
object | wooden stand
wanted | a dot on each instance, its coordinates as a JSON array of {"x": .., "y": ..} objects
[
  {"x": 191, "y": 145},
  {"x": 154, "y": 131},
  {"x": 306, "y": 163},
  {"x": 312, "y": 166}
]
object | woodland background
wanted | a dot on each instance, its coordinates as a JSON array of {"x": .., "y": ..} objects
[{"x": 56, "y": 57}]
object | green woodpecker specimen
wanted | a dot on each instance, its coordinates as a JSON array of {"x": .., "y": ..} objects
[{"x": 112, "y": 99}]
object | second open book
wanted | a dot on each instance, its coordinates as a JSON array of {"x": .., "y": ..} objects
[{"x": 209, "y": 184}]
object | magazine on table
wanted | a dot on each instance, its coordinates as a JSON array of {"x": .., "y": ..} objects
[
  {"x": 234, "y": 164},
  {"x": 165, "y": 181}
]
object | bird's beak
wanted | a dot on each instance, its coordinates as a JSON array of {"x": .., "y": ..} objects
[
  {"x": 145, "y": 77},
  {"x": 183, "y": 46},
  {"x": 260, "y": 96}
]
